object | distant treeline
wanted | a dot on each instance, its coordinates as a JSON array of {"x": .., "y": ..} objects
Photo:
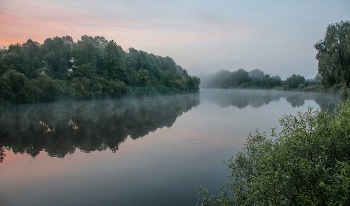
[
  {"x": 253, "y": 79},
  {"x": 91, "y": 68}
]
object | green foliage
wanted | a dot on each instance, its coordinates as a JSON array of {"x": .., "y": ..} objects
[
  {"x": 31, "y": 59},
  {"x": 84, "y": 70},
  {"x": 344, "y": 93},
  {"x": 85, "y": 52},
  {"x": 113, "y": 63},
  {"x": 10, "y": 61},
  {"x": 91, "y": 68},
  {"x": 56, "y": 55},
  {"x": 241, "y": 79},
  {"x": 267, "y": 82},
  {"x": 11, "y": 85},
  {"x": 143, "y": 78},
  {"x": 294, "y": 81},
  {"x": 278, "y": 81},
  {"x": 256, "y": 74},
  {"x": 333, "y": 55},
  {"x": 308, "y": 163}
]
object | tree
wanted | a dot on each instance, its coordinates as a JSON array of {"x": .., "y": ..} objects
[
  {"x": 91, "y": 68},
  {"x": 277, "y": 79},
  {"x": 308, "y": 163},
  {"x": 11, "y": 85},
  {"x": 98, "y": 41},
  {"x": 85, "y": 56},
  {"x": 56, "y": 54},
  {"x": 267, "y": 82},
  {"x": 113, "y": 64},
  {"x": 333, "y": 55},
  {"x": 85, "y": 52},
  {"x": 10, "y": 61},
  {"x": 31, "y": 59},
  {"x": 256, "y": 74},
  {"x": 294, "y": 81},
  {"x": 143, "y": 78},
  {"x": 240, "y": 77},
  {"x": 68, "y": 39}
]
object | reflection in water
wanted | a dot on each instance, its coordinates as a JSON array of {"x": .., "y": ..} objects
[
  {"x": 162, "y": 168},
  {"x": 241, "y": 98},
  {"x": 60, "y": 128},
  {"x": 2, "y": 154}
]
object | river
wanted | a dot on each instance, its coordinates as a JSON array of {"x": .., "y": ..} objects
[{"x": 144, "y": 151}]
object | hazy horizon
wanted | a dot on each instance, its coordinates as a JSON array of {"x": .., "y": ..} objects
[{"x": 201, "y": 36}]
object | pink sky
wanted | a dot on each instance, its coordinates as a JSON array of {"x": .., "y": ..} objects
[{"x": 201, "y": 36}]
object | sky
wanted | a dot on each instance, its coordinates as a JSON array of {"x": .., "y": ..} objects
[{"x": 275, "y": 36}]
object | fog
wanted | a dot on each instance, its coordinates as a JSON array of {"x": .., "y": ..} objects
[
  {"x": 134, "y": 151},
  {"x": 61, "y": 128},
  {"x": 242, "y": 98}
]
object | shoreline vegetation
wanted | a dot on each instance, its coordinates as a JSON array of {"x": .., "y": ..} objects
[
  {"x": 308, "y": 162},
  {"x": 91, "y": 68},
  {"x": 257, "y": 79},
  {"x": 333, "y": 55}
]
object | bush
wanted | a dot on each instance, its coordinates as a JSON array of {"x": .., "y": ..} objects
[
  {"x": 307, "y": 164},
  {"x": 344, "y": 93},
  {"x": 300, "y": 87},
  {"x": 335, "y": 88}
]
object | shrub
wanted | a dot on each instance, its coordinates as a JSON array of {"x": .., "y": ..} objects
[
  {"x": 307, "y": 164},
  {"x": 300, "y": 87},
  {"x": 344, "y": 93}
]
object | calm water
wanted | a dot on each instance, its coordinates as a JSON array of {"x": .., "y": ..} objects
[{"x": 148, "y": 151}]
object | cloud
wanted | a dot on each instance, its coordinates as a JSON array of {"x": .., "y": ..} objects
[{"x": 201, "y": 36}]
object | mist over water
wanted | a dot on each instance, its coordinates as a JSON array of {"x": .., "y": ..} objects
[
  {"x": 145, "y": 151},
  {"x": 242, "y": 98},
  {"x": 61, "y": 128}
]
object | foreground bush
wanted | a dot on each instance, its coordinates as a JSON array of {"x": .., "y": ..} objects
[{"x": 307, "y": 164}]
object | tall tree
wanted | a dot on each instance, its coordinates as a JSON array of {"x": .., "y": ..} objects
[
  {"x": 85, "y": 56},
  {"x": 267, "y": 82},
  {"x": 256, "y": 74},
  {"x": 56, "y": 54},
  {"x": 143, "y": 78},
  {"x": 294, "y": 81},
  {"x": 334, "y": 55},
  {"x": 32, "y": 63},
  {"x": 240, "y": 77},
  {"x": 113, "y": 64}
]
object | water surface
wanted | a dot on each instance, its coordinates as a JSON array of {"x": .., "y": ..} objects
[{"x": 146, "y": 151}]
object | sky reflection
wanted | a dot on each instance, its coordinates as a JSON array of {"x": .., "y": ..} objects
[{"x": 163, "y": 167}]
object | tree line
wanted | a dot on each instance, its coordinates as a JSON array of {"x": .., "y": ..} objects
[
  {"x": 333, "y": 55},
  {"x": 253, "y": 79},
  {"x": 308, "y": 162},
  {"x": 91, "y": 68}
]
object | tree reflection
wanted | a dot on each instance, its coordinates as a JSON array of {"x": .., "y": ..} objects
[
  {"x": 242, "y": 98},
  {"x": 61, "y": 128},
  {"x": 2, "y": 154}
]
